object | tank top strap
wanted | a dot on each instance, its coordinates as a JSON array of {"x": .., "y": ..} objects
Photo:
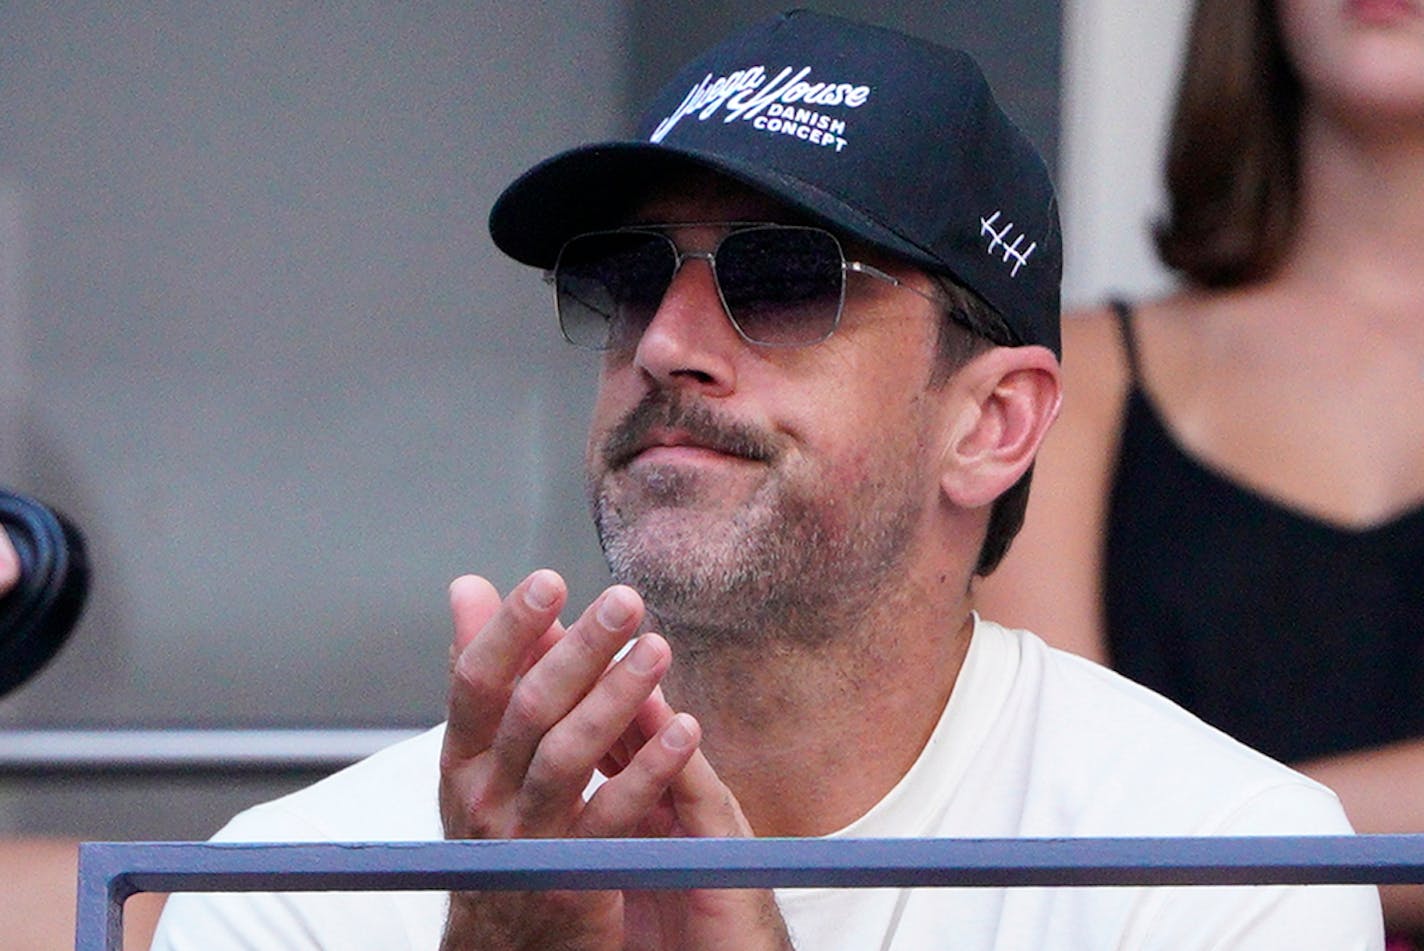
[{"x": 1124, "y": 313}]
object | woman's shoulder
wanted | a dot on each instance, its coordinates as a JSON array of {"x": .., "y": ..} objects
[
  {"x": 1097, "y": 371},
  {"x": 1109, "y": 348}
]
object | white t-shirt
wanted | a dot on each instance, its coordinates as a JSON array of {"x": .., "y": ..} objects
[{"x": 1034, "y": 742}]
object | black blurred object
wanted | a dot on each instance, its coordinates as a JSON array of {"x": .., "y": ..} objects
[{"x": 37, "y": 615}]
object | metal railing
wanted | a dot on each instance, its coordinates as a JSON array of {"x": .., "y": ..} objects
[
  {"x": 41, "y": 752},
  {"x": 110, "y": 872}
]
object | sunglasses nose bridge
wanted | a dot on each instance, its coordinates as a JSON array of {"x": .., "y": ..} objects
[{"x": 682, "y": 257}]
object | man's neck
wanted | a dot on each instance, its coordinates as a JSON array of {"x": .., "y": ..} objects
[{"x": 809, "y": 738}]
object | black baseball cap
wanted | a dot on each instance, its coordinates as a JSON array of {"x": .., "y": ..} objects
[{"x": 880, "y": 136}]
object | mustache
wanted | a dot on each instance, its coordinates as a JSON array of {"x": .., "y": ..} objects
[{"x": 663, "y": 410}]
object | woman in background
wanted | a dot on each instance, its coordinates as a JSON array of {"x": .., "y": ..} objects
[{"x": 1231, "y": 507}]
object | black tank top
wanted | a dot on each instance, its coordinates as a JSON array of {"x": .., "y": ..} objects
[{"x": 1295, "y": 636}]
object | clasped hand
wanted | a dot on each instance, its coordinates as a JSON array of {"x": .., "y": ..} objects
[{"x": 534, "y": 710}]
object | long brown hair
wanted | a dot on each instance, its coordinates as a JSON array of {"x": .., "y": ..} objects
[{"x": 1232, "y": 171}]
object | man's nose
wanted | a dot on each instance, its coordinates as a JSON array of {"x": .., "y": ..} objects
[{"x": 690, "y": 341}]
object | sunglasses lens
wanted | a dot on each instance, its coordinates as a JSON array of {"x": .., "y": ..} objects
[
  {"x": 782, "y": 286},
  {"x": 608, "y": 286}
]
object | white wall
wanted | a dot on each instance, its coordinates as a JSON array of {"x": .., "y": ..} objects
[
  {"x": 1120, "y": 65},
  {"x": 258, "y": 344},
  {"x": 12, "y": 330}
]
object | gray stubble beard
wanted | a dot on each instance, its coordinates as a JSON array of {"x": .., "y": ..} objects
[{"x": 790, "y": 572}]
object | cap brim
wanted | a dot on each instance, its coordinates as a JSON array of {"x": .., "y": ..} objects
[{"x": 597, "y": 186}]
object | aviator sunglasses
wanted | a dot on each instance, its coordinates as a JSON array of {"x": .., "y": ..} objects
[{"x": 780, "y": 285}]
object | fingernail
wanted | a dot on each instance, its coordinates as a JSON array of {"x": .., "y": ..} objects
[
  {"x": 678, "y": 735},
  {"x": 542, "y": 592},
  {"x": 641, "y": 658},
  {"x": 614, "y": 612}
]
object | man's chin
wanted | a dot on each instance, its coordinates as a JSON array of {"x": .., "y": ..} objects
[
  {"x": 667, "y": 504},
  {"x": 661, "y": 540},
  {"x": 674, "y": 530}
]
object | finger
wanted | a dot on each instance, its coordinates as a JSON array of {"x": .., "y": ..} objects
[
  {"x": 473, "y": 601},
  {"x": 652, "y": 714},
  {"x": 618, "y": 756},
  {"x": 565, "y": 674},
  {"x": 704, "y": 804},
  {"x": 494, "y": 639},
  {"x": 567, "y": 713},
  {"x": 621, "y": 753},
  {"x": 541, "y": 647},
  {"x": 620, "y": 806},
  {"x": 602, "y": 721}
]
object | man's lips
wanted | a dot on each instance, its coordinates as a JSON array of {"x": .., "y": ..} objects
[
  {"x": 1382, "y": 11},
  {"x": 680, "y": 448},
  {"x": 663, "y": 427}
]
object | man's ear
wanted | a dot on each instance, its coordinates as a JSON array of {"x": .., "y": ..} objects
[{"x": 1006, "y": 400}]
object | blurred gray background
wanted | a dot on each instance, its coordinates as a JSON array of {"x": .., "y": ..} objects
[{"x": 255, "y": 340}]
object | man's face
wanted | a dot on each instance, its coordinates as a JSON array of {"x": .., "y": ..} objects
[{"x": 751, "y": 492}]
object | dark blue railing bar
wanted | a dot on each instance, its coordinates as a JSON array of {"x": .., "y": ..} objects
[{"x": 109, "y": 872}]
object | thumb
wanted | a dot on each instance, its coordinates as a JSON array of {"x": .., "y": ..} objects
[{"x": 473, "y": 601}]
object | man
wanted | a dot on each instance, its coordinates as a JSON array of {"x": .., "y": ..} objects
[{"x": 825, "y": 284}]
